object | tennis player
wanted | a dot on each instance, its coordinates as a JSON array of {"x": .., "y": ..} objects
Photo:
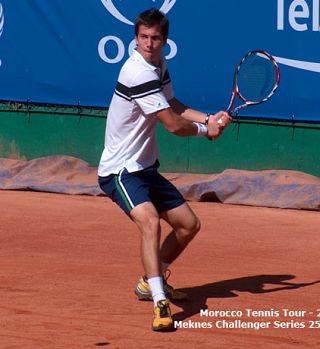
[{"x": 128, "y": 169}]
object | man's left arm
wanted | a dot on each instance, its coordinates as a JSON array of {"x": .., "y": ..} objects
[{"x": 197, "y": 116}]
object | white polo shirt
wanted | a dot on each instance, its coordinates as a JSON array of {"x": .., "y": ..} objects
[{"x": 130, "y": 138}]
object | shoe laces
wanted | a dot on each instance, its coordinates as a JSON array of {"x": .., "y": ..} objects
[{"x": 164, "y": 308}]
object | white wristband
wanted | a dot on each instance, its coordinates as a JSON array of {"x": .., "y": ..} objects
[{"x": 202, "y": 129}]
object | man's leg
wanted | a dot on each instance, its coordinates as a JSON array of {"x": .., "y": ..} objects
[
  {"x": 185, "y": 225},
  {"x": 131, "y": 194},
  {"x": 147, "y": 219}
]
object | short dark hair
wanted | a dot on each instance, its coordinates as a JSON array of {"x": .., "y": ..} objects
[{"x": 152, "y": 17}]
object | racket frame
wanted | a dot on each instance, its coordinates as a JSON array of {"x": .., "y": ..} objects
[{"x": 236, "y": 92}]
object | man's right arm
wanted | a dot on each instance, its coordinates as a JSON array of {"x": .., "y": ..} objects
[{"x": 176, "y": 124}]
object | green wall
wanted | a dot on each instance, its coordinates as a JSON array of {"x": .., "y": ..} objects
[
  {"x": 33, "y": 132},
  {"x": 247, "y": 146},
  {"x": 52, "y": 131}
]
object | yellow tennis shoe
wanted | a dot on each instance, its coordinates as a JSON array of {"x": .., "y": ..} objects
[
  {"x": 162, "y": 317},
  {"x": 143, "y": 290}
]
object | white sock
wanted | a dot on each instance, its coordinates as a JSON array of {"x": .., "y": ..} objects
[
  {"x": 156, "y": 286},
  {"x": 164, "y": 267}
]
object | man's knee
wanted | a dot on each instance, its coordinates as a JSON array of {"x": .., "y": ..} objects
[
  {"x": 189, "y": 231},
  {"x": 195, "y": 228},
  {"x": 150, "y": 226},
  {"x": 147, "y": 219}
]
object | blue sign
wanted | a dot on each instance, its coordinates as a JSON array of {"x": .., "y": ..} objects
[{"x": 70, "y": 52}]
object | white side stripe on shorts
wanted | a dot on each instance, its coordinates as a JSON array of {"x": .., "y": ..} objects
[{"x": 124, "y": 189}]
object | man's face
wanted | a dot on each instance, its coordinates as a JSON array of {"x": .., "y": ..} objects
[{"x": 150, "y": 42}]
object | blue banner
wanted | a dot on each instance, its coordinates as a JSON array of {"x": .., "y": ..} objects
[{"x": 70, "y": 51}]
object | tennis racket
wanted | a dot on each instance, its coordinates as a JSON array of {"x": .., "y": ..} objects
[{"x": 256, "y": 79}]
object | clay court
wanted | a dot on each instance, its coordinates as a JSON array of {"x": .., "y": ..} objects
[{"x": 69, "y": 264}]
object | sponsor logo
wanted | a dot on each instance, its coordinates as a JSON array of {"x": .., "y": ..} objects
[
  {"x": 299, "y": 16},
  {"x": 109, "y": 5},
  {"x": 304, "y": 65},
  {"x": 111, "y": 48}
]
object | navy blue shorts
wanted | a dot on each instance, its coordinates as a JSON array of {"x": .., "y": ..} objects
[{"x": 131, "y": 189}]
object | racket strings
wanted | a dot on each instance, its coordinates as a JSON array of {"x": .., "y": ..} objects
[{"x": 256, "y": 78}]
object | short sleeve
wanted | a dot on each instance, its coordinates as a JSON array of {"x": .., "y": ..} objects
[{"x": 148, "y": 92}]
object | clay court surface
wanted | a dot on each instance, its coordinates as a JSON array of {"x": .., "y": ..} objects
[{"x": 69, "y": 265}]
